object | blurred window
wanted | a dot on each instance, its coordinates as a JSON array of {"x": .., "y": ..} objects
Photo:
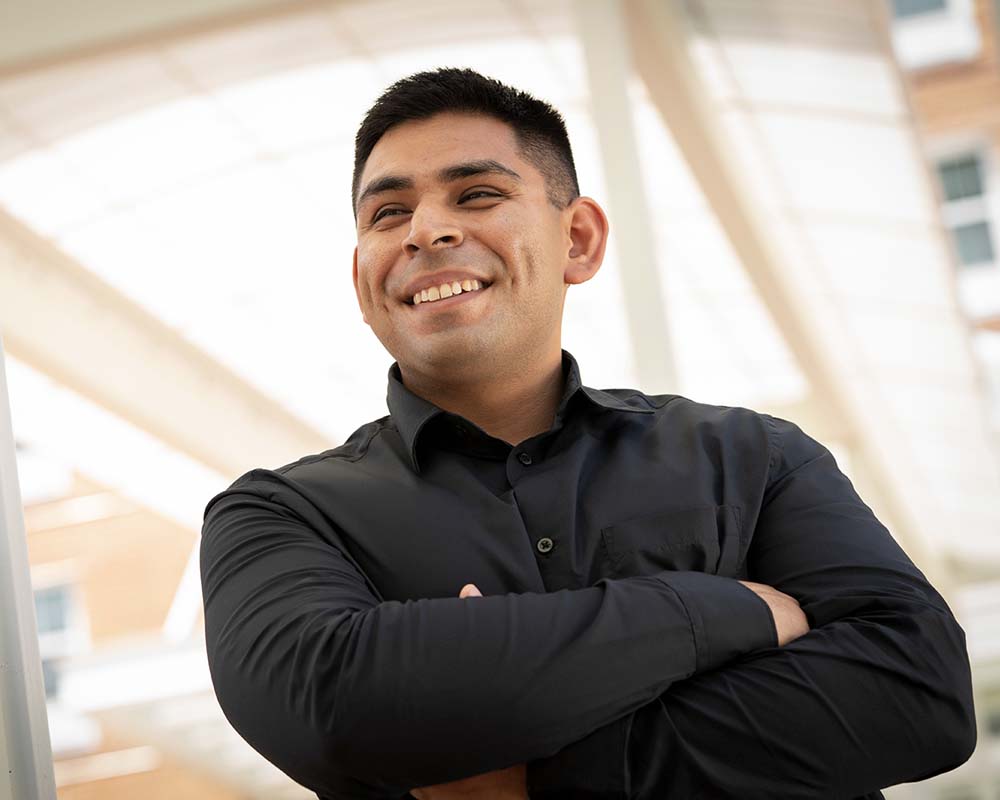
[
  {"x": 993, "y": 722},
  {"x": 909, "y": 8},
  {"x": 928, "y": 33},
  {"x": 50, "y": 676},
  {"x": 990, "y": 711},
  {"x": 966, "y": 208},
  {"x": 60, "y": 631},
  {"x": 52, "y": 609},
  {"x": 961, "y": 177},
  {"x": 974, "y": 243}
]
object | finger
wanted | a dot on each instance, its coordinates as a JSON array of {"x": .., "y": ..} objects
[{"x": 470, "y": 590}]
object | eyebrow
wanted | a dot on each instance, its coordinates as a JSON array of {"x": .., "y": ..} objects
[{"x": 468, "y": 169}]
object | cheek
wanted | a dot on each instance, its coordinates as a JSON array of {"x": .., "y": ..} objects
[
  {"x": 538, "y": 249},
  {"x": 371, "y": 270},
  {"x": 513, "y": 234},
  {"x": 539, "y": 232}
]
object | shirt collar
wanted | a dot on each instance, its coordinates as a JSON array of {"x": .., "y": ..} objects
[{"x": 411, "y": 413}]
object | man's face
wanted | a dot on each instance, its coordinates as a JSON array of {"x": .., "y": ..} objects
[{"x": 451, "y": 199}]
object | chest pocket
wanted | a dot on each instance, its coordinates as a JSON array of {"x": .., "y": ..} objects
[{"x": 700, "y": 539}]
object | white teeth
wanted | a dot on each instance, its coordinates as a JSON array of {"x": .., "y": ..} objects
[{"x": 445, "y": 290}]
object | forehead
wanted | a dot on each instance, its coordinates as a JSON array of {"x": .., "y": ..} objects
[{"x": 424, "y": 146}]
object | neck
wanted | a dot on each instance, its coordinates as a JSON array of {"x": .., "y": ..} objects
[{"x": 512, "y": 406}]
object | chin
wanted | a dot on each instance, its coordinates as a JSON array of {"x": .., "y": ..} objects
[{"x": 465, "y": 357}]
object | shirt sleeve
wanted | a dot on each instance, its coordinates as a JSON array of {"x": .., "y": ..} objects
[
  {"x": 354, "y": 697},
  {"x": 878, "y": 692}
]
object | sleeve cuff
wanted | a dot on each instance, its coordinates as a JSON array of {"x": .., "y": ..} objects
[{"x": 728, "y": 619}]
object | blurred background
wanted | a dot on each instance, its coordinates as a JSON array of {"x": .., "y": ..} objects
[{"x": 805, "y": 205}]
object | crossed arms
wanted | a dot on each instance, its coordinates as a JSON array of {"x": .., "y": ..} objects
[{"x": 662, "y": 685}]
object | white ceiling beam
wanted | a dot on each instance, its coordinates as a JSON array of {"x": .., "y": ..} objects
[
  {"x": 46, "y": 32},
  {"x": 64, "y": 321}
]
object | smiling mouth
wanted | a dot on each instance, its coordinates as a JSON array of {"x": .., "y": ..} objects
[{"x": 446, "y": 293}]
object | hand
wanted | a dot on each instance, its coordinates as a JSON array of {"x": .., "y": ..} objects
[
  {"x": 789, "y": 619},
  {"x": 501, "y": 784}
]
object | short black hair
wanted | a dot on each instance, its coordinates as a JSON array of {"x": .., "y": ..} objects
[{"x": 540, "y": 129}]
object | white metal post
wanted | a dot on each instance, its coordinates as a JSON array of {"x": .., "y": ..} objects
[{"x": 25, "y": 749}]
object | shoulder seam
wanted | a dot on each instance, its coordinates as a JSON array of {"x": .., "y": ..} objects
[
  {"x": 774, "y": 448},
  {"x": 377, "y": 427},
  {"x": 664, "y": 404}
]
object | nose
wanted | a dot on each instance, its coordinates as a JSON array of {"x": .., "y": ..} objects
[{"x": 431, "y": 229}]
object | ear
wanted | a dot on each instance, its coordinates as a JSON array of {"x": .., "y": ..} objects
[
  {"x": 587, "y": 227},
  {"x": 357, "y": 290}
]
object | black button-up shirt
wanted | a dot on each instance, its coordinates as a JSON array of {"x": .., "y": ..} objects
[{"x": 614, "y": 651}]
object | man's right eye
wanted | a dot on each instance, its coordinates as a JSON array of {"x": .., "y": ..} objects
[{"x": 385, "y": 212}]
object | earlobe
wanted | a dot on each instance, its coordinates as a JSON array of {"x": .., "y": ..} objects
[
  {"x": 588, "y": 235},
  {"x": 357, "y": 289}
]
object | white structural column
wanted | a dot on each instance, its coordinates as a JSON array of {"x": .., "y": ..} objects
[
  {"x": 66, "y": 322},
  {"x": 606, "y": 47},
  {"x": 25, "y": 752}
]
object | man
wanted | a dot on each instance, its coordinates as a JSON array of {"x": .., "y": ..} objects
[{"x": 515, "y": 585}]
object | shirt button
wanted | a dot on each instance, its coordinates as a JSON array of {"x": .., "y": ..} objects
[
  {"x": 524, "y": 458},
  {"x": 544, "y": 544}
]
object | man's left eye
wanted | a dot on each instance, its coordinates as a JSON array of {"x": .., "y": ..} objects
[{"x": 477, "y": 194}]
